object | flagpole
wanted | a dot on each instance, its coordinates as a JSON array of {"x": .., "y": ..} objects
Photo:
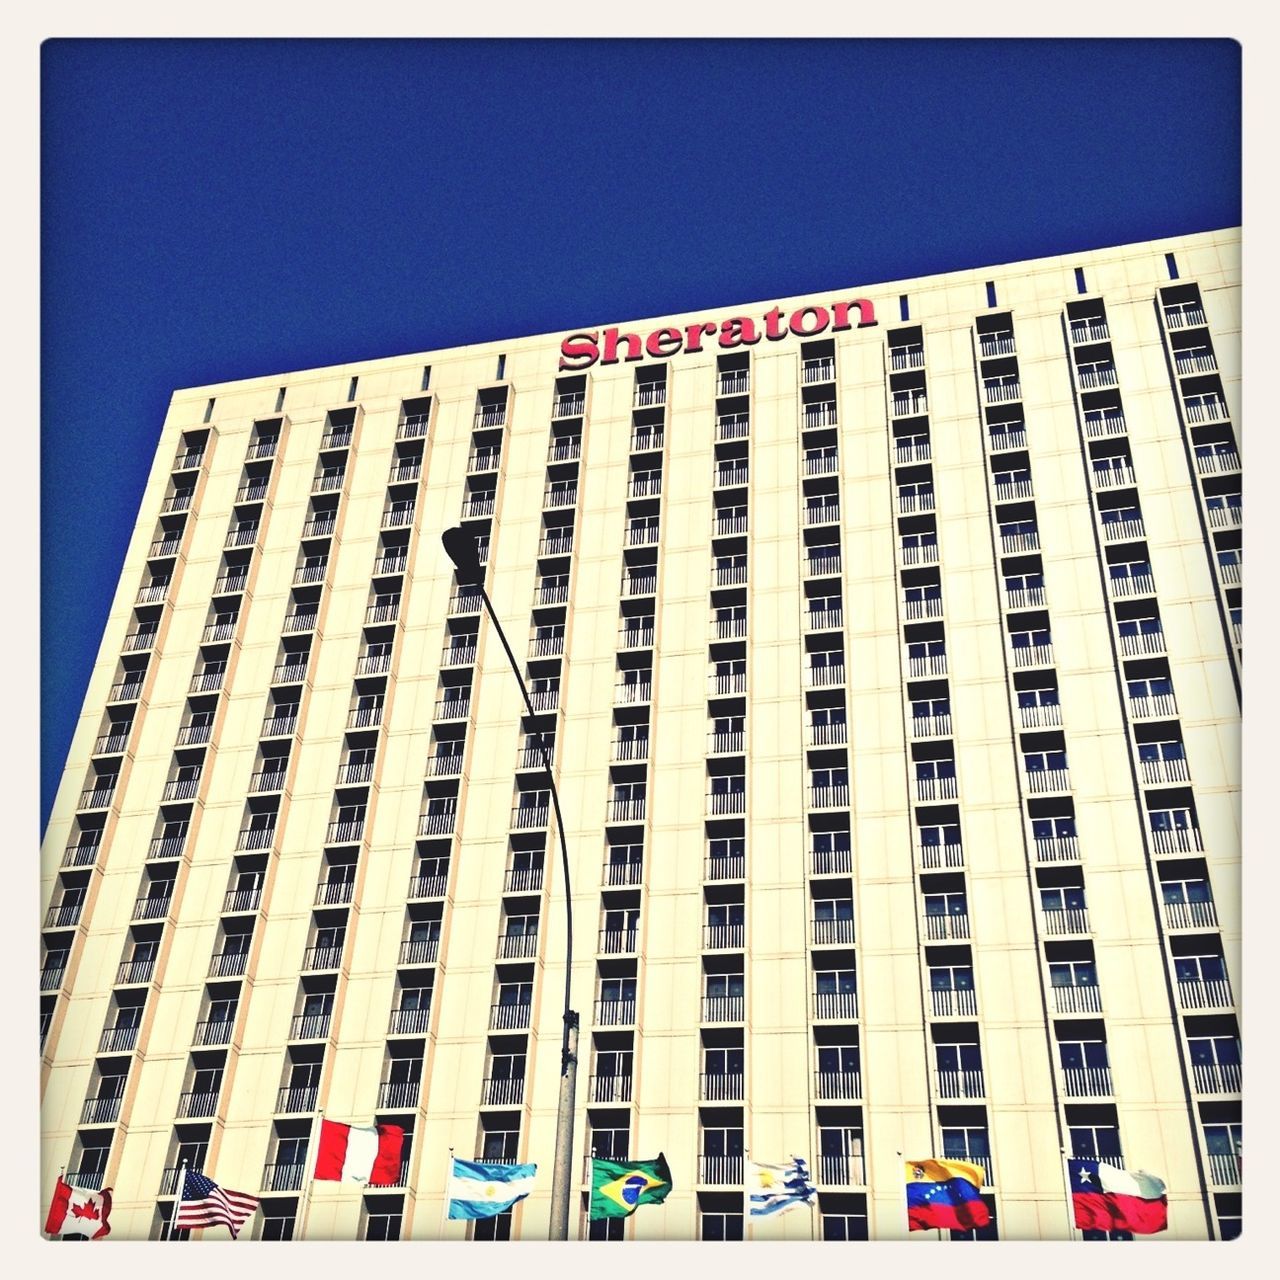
[
  {"x": 1071, "y": 1207},
  {"x": 62, "y": 1168},
  {"x": 746, "y": 1196},
  {"x": 177, "y": 1203},
  {"x": 444, "y": 1205},
  {"x": 313, "y": 1158}
]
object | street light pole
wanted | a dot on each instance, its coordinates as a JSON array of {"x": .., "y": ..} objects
[{"x": 460, "y": 548}]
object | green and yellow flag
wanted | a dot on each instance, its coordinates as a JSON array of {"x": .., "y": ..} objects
[{"x": 617, "y": 1189}]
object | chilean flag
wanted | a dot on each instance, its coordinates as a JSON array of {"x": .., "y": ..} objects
[
  {"x": 1107, "y": 1198},
  {"x": 369, "y": 1156},
  {"x": 75, "y": 1212}
]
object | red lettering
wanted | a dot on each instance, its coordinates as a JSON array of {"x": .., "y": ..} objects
[
  {"x": 866, "y": 314},
  {"x": 773, "y": 329},
  {"x": 579, "y": 351},
  {"x": 820, "y": 321},
  {"x": 611, "y": 340},
  {"x": 693, "y": 335},
  {"x": 738, "y": 331},
  {"x": 663, "y": 342}
]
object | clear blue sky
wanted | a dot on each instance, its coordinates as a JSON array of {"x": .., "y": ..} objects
[{"x": 222, "y": 209}]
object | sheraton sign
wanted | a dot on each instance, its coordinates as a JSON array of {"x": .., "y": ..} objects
[{"x": 582, "y": 350}]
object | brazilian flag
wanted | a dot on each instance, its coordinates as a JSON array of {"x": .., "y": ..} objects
[{"x": 618, "y": 1188}]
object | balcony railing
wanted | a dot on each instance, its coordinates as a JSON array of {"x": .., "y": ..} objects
[
  {"x": 1012, "y": 437},
  {"x": 164, "y": 547},
  {"x": 909, "y": 405},
  {"x": 834, "y": 797},
  {"x": 1086, "y": 1082},
  {"x": 453, "y": 708},
  {"x": 413, "y": 427},
  {"x": 1224, "y": 1170},
  {"x": 302, "y": 620},
  {"x": 933, "y": 856},
  {"x": 1057, "y": 848},
  {"x": 942, "y": 788},
  {"x": 523, "y": 879},
  {"x": 624, "y": 810},
  {"x": 952, "y": 1003},
  {"x": 615, "y": 942},
  {"x": 1198, "y": 994},
  {"x": 721, "y": 1086},
  {"x": 510, "y": 1017},
  {"x": 309, "y": 1026},
  {"x": 337, "y": 436},
  {"x": 961, "y": 1084},
  {"x": 382, "y": 611},
  {"x": 525, "y": 816},
  {"x": 830, "y": 734},
  {"x": 252, "y": 492},
  {"x": 1134, "y": 584},
  {"x": 166, "y": 847},
  {"x": 1191, "y": 915},
  {"x": 841, "y": 1171},
  {"x": 320, "y": 527},
  {"x": 283, "y": 1177},
  {"x": 152, "y": 908},
  {"x": 639, "y": 584},
  {"x": 445, "y": 763},
  {"x": 135, "y": 972},
  {"x": 724, "y": 1008},
  {"x": 1143, "y": 642},
  {"x": 822, "y": 564},
  {"x": 732, "y": 384},
  {"x": 517, "y": 946},
  {"x": 732, "y": 743},
  {"x": 829, "y": 932},
  {"x": 1097, "y": 375},
  {"x": 437, "y": 824},
  {"x": 180, "y": 501},
  {"x": 951, "y": 925},
  {"x": 723, "y": 937},
  {"x": 733, "y": 426},
  {"x": 214, "y": 1031},
  {"x": 137, "y": 641},
  {"x": 502, "y": 1091},
  {"x": 1042, "y": 780},
  {"x": 650, "y": 393},
  {"x": 730, "y": 866},
  {"x": 560, "y": 496},
  {"x": 636, "y": 637},
  {"x": 647, "y": 438},
  {"x": 727, "y": 802},
  {"x": 157, "y": 590},
  {"x": 244, "y": 536},
  {"x": 996, "y": 344},
  {"x": 51, "y": 976},
  {"x": 242, "y": 900},
  {"x": 822, "y": 369},
  {"x": 909, "y": 356},
  {"x": 609, "y": 1088},
  {"x": 835, "y": 1004},
  {"x": 490, "y": 415},
  {"x": 1177, "y": 839},
  {"x": 729, "y": 476},
  {"x": 645, "y": 484},
  {"x": 1089, "y": 331},
  {"x": 118, "y": 1039},
  {"x": 352, "y": 773},
  {"x": 826, "y": 862},
  {"x": 420, "y": 951},
  {"x": 330, "y": 893},
  {"x": 1169, "y": 770},
  {"x": 1066, "y": 920},
  {"x": 189, "y": 460},
  {"x": 193, "y": 1106},
  {"x": 1033, "y": 655},
  {"x": 347, "y": 831},
  {"x": 931, "y": 726},
  {"x": 1194, "y": 362},
  {"x": 410, "y": 1022},
  {"x": 720, "y": 1171},
  {"x": 400, "y": 517},
  {"x": 830, "y": 1085},
  {"x": 1012, "y": 542},
  {"x": 821, "y": 463},
  {"x": 294, "y": 1100},
  {"x": 617, "y": 873},
  {"x": 279, "y": 726},
  {"x": 1216, "y": 1077},
  {"x": 83, "y": 854},
  {"x": 228, "y": 964},
  {"x": 733, "y": 682},
  {"x": 405, "y": 472},
  {"x": 321, "y": 958},
  {"x": 570, "y": 406},
  {"x": 101, "y": 1110},
  {"x": 1077, "y": 999},
  {"x": 399, "y": 1094},
  {"x": 364, "y": 717},
  {"x": 425, "y": 885}
]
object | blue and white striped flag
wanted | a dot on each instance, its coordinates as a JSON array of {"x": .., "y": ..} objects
[{"x": 775, "y": 1188}]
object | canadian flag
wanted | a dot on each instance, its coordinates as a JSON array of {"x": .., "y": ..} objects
[
  {"x": 350, "y": 1154},
  {"x": 75, "y": 1212}
]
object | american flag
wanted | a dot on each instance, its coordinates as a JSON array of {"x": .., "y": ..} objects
[{"x": 205, "y": 1204}]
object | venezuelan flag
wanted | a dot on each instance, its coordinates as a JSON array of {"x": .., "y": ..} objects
[{"x": 944, "y": 1193}]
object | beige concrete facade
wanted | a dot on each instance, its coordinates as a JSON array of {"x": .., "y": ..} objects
[{"x": 990, "y": 604}]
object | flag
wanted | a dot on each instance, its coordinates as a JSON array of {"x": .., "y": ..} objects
[
  {"x": 76, "y": 1212},
  {"x": 1107, "y": 1198},
  {"x": 202, "y": 1203},
  {"x": 618, "y": 1188},
  {"x": 370, "y": 1156},
  {"x": 775, "y": 1188},
  {"x": 944, "y": 1193},
  {"x": 486, "y": 1190}
]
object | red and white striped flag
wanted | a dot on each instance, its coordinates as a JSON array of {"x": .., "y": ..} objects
[{"x": 203, "y": 1203}]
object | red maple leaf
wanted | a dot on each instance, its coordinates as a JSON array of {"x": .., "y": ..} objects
[{"x": 86, "y": 1210}]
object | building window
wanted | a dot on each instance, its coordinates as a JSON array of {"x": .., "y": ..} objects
[
  {"x": 383, "y": 1216},
  {"x": 607, "y": 1229},
  {"x": 164, "y": 1225},
  {"x": 991, "y": 293},
  {"x": 426, "y": 377},
  {"x": 278, "y": 1217},
  {"x": 904, "y": 310},
  {"x": 208, "y": 409},
  {"x": 981, "y": 1233},
  {"x": 1079, "y": 279},
  {"x": 495, "y": 1228},
  {"x": 719, "y": 1217},
  {"x": 502, "y": 367},
  {"x": 1172, "y": 263},
  {"x": 280, "y": 399}
]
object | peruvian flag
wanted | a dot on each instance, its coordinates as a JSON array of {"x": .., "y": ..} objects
[
  {"x": 369, "y": 1156},
  {"x": 1107, "y": 1198},
  {"x": 75, "y": 1212}
]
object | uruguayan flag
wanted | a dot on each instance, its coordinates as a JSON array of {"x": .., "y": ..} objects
[
  {"x": 486, "y": 1190},
  {"x": 775, "y": 1188}
]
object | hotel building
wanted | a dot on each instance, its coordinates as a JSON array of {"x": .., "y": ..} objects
[{"x": 888, "y": 644}]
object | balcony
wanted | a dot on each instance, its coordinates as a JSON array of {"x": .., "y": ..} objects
[
  {"x": 453, "y": 708},
  {"x": 511, "y": 1017},
  {"x": 911, "y": 450},
  {"x": 569, "y": 406},
  {"x": 940, "y": 927},
  {"x": 638, "y": 637},
  {"x": 131, "y": 973},
  {"x": 412, "y": 427},
  {"x": 1155, "y": 772},
  {"x": 193, "y": 1106},
  {"x": 732, "y": 866},
  {"x": 931, "y": 726},
  {"x": 228, "y": 964},
  {"x": 639, "y": 585},
  {"x": 242, "y": 900},
  {"x": 383, "y": 611},
  {"x": 932, "y": 664},
  {"x": 821, "y": 463},
  {"x": 733, "y": 426},
  {"x": 905, "y": 406},
  {"x": 301, "y": 620},
  {"x": 1229, "y": 570},
  {"x": 545, "y": 699},
  {"x": 423, "y": 885},
  {"x": 322, "y": 958},
  {"x": 527, "y": 816},
  {"x": 1066, "y": 920},
  {"x": 609, "y": 1088},
  {"x": 1096, "y": 375},
  {"x": 934, "y": 856},
  {"x": 156, "y": 590},
  {"x": 1200, "y": 994},
  {"x": 645, "y": 439},
  {"x": 929, "y": 607},
  {"x": 1224, "y": 1170},
  {"x": 625, "y": 810},
  {"x": 727, "y": 743},
  {"x": 517, "y": 946},
  {"x": 724, "y": 1008},
  {"x": 319, "y": 527},
  {"x": 919, "y": 501},
  {"x": 834, "y": 797},
  {"x": 1040, "y": 781},
  {"x": 952, "y": 1003},
  {"x": 822, "y": 564},
  {"x": 1012, "y": 436},
  {"x": 722, "y": 1086},
  {"x": 402, "y": 517},
  {"x": 391, "y": 564},
  {"x": 437, "y": 823},
  {"x": 828, "y": 933},
  {"x": 1184, "y": 315},
  {"x": 927, "y": 554},
  {"x": 618, "y": 942},
  {"x": 830, "y": 734},
  {"x": 729, "y": 575},
  {"x": 560, "y": 496},
  {"x": 337, "y": 436},
  {"x": 996, "y": 344},
  {"x": 1143, "y": 642},
  {"x": 1015, "y": 542},
  {"x": 1217, "y": 461},
  {"x": 267, "y": 781},
  {"x": 841, "y": 1171},
  {"x": 728, "y": 628},
  {"x": 299, "y": 1100},
  {"x": 730, "y": 476},
  {"x": 164, "y": 547},
  {"x": 908, "y": 356},
  {"x": 1135, "y": 584},
  {"x": 1057, "y": 848},
  {"x": 833, "y": 1085},
  {"x": 119, "y": 1039},
  {"x": 406, "y": 471},
  {"x": 254, "y": 491},
  {"x": 332, "y": 893},
  {"x": 490, "y": 415},
  {"x": 1216, "y": 1077},
  {"x": 101, "y": 1110},
  {"x": 213, "y": 1031},
  {"x": 1001, "y": 392},
  {"x": 364, "y": 717},
  {"x": 961, "y": 1084},
  {"x": 1077, "y": 999},
  {"x": 398, "y": 1094},
  {"x": 1188, "y": 362},
  {"x": 734, "y": 383},
  {"x": 83, "y": 854},
  {"x": 552, "y": 593},
  {"x": 1191, "y": 915},
  {"x": 645, "y": 484},
  {"x": 631, "y": 748},
  {"x": 1112, "y": 477},
  {"x": 309, "y": 1026},
  {"x": 352, "y": 774},
  {"x": 822, "y": 369},
  {"x": 1089, "y": 331},
  {"x": 410, "y": 1021},
  {"x": 648, "y": 394},
  {"x": 723, "y": 937},
  {"x": 940, "y": 788},
  {"x": 188, "y": 460},
  {"x": 1033, "y": 655},
  {"x": 733, "y": 682},
  {"x": 720, "y": 1171},
  {"x": 139, "y": 641},
  {"x": 97, "y": 797},
  {"x": 349, "y": 831},
  {"x": 279, "y": 726},
  {"x": 1086, "y": 1082},
  {"x": 244, "y": 536},
  {"x": 827, "y": 513},
  {"x": 720, "y": 802},
  {"x": 283, "y": 1177},
  {"x": 502, "y": 1091},
  {"x": 1008, "y": 490},
  {"x": 824, "y": 620},
  {"x": 620, "y": 873},
  {"x": 180, "y": 501},
  {"x": 835, "y": 1004},
  {"x": 51, "y": 977},
  {"x": 152, "y": 908}
]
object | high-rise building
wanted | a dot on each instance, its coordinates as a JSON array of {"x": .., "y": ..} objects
[{"x": 887, "y": 645}]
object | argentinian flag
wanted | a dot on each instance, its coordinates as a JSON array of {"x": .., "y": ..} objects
[
  {"x": 775, "y": 1188},
  {"x": 486, "y": 1190}
]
